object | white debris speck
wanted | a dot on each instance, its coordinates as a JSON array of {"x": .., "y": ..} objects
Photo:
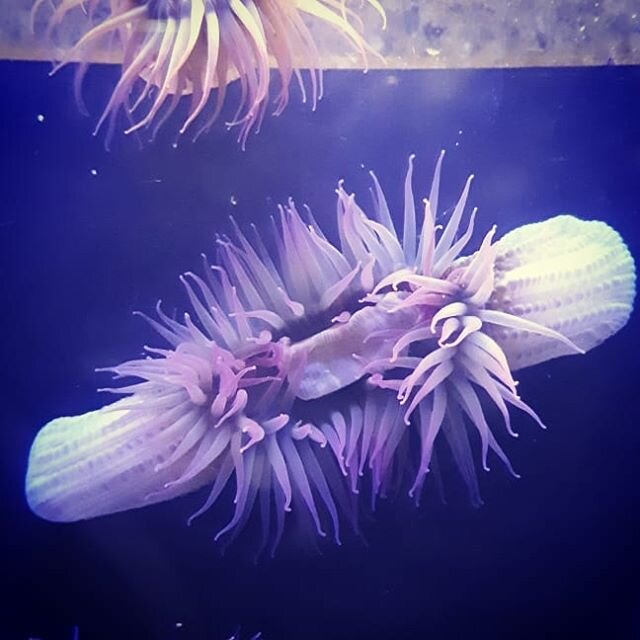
[
  {"x": 93, "y": 172},
  {"x": 233, "y": 200},
  {"x": 40, "y": 117}
]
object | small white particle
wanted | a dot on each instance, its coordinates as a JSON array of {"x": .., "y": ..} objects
[
  {"x": 178, "y": 625},
  {"x": 94, "y": 172},
  {"x": 233, "y": 200},
  {"x": 40, "y": 117},
  {"x": 459, "y": 132}
]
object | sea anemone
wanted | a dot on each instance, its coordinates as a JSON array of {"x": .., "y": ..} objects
[
  {"x": 303, "y": 377},
  {"x": 196, "y": 48}
]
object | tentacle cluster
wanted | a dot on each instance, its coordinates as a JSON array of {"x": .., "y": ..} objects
[
  {"x": 450, "y": 361},
  {"x": 196, "y": 48},
  {"x": 227, "y": 385}
]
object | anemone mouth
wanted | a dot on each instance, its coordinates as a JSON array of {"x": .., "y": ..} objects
[
  {"x": 194, "y": 49},
  {"x": 294, "y": 424}
]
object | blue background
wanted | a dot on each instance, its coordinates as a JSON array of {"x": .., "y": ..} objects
[{"x": 554, "y": 554}]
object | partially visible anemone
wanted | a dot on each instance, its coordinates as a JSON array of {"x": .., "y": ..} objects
[
  {"x": 193, "y": 49},
  {"x": 313, "y": 373}
]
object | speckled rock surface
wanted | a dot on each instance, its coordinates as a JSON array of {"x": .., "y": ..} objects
[{"x": 420, "y": 34}]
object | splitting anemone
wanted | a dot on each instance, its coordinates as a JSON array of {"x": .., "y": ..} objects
[
  {"x": 312, "y": 371},
  {"x": 196, "y": 48}
]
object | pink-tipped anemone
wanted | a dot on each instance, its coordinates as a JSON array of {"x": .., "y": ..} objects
[
  {"x": 195, "y": 48},
  {"x": 313, "y": 372}
]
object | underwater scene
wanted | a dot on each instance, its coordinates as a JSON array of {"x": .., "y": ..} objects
[{"x": 365, "y": 369}]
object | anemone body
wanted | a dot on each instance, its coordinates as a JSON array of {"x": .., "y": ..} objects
[
  {"x": 311, "y": 373},
  {"x": 195, "y": 48}
]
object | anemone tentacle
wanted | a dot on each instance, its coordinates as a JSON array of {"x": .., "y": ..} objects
[
  {"x": 178, "y": 48},
  {"x": 450, "y": 296}
]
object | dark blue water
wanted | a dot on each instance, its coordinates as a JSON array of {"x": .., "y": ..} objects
[{"x": 88, "y": 236}]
